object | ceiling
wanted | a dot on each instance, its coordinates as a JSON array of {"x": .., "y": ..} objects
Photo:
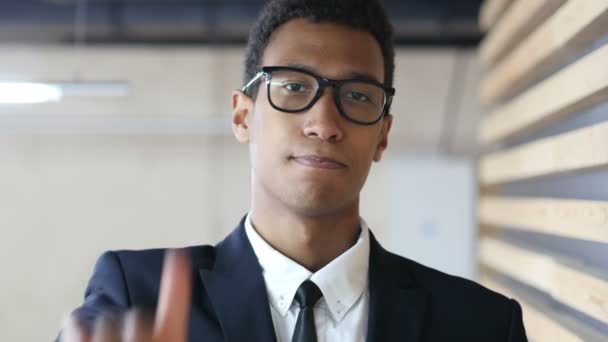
[{"x": 190, "y": 22}]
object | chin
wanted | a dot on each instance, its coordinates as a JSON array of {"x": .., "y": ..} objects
[
  {"x": 314, "y": 211},
  {"x": 319, "y": 203}
]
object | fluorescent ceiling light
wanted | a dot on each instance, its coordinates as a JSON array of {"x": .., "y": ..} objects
[
  {"x": 34, "y": 92},
  {"x": 29, "y": 92}
]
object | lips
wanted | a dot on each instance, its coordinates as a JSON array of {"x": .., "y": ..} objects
[{"x": 319, "y": 162}]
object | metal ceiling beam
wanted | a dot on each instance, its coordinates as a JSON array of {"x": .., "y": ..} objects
[{"x": 438, "y": 22}]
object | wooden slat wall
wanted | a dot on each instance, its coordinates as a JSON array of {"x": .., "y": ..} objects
[
  {"x": 577, "y": 87},
  {"x": 575, "y": 24},
  {"x": 491, "y": 11},
  {"x": 519, "y": 20},
  {"x": 585, "y": 220},
  {"x": 568, "y": 284},
  {"x": 542, "y": 322},
  {"x": 546, "y": 63}
]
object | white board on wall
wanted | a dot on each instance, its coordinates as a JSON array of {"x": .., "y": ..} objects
[{"x": 430, "y": 213}]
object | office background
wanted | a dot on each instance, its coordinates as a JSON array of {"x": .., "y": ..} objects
[{"x": 139, "y": 152}]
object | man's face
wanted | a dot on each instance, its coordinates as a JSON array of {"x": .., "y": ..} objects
[{"x": 314, "y": 162}]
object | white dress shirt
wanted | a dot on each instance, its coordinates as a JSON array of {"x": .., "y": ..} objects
[{"x": 341, "y": 314}]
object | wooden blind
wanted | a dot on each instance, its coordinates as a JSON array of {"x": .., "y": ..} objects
[{"x": 545, "y": 64}]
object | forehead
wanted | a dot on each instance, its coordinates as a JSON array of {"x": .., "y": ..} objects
[{"x": 331, "y": 50}]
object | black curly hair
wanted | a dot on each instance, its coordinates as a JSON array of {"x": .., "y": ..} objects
[{"x": 367, "y": 15}]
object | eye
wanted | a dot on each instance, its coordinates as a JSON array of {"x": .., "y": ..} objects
[
  {"x": 292, "y": 86},
  {"x": 357, "y": 96},
  {"x": 295, "y": 87}
]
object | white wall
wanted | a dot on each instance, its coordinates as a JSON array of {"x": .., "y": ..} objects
[
  {"x": 430, "y": 213},
  {"x": 72, "y": 186},
  {"x": 65, "y": 199}
]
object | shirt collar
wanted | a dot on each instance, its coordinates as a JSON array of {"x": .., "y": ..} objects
[{"x": 343, "y": 281}]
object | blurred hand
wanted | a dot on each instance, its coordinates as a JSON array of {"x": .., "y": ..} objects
[{"x": 170, "y": 323}]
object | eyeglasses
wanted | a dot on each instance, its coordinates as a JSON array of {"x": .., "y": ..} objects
[{"x": 295, "y": 90}]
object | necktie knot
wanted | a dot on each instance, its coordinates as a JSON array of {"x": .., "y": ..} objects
[{"x": 308, "y": 294}]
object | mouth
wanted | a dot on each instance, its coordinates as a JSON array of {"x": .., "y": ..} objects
[{"x": 318, "y": 162}]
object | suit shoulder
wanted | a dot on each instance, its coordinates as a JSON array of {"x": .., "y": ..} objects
[
  {"x": 463, "y": 309},
  {"x": 142, "y": 269},
  {"x": 441, "y": 284},
  {"x": 154, "y": 257}
]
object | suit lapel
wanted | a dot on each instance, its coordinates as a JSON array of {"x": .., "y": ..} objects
[
  {"x": 397, "y": 304},
  {"x": 237, "y": 291}
]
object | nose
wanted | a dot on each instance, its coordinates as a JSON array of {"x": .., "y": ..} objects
[{"x": 323, "y": 120}]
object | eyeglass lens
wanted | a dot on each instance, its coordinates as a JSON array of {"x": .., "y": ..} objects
[{"x": 292, "y": 91}]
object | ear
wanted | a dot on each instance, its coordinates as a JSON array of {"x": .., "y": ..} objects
[
  {"x": 242, "y": 107},
  {"x": 387, "y": 122}
]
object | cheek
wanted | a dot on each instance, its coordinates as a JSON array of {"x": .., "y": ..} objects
[
  {"x": 366, "y": 146},
  {"x": 272, "y": 133},
  {"x": 364, "y": 161}
]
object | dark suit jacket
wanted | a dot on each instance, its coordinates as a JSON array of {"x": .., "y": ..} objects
[{"x": 408, "y": 301}]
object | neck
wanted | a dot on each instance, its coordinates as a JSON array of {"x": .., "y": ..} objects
[{"x": 312, "y": 241}]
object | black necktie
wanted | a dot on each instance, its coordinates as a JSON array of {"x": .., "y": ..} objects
[{"x": 308, "y": 294}]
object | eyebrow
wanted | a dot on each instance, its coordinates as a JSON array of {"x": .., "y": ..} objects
[{"x": 350, "y": 75}]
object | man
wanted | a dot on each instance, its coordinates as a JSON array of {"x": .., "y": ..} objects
[{"x": 302, "y": 265}]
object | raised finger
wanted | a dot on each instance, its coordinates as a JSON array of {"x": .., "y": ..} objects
[
  {"x": 106, "y": 329},
  {"x": 137, "y": 327},
  {"x": 73, "y": 332},
  {"x": 174, "y": 298}
]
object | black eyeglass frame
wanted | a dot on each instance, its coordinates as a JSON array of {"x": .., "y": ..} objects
[{"x": 323, "y": 82}]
